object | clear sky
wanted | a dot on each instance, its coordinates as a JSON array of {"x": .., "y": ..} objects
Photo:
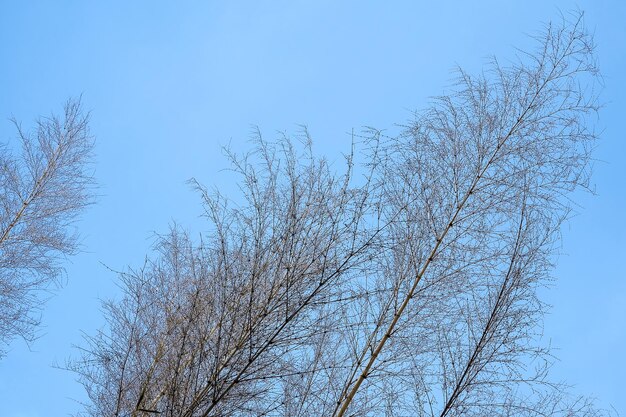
[{"x": 169, "y": 83}]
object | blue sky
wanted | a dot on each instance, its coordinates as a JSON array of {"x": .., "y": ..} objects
[{"x": 169, "y": 83}]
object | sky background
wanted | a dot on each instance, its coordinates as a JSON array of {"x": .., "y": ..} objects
[{"x": 169, "y": 83}]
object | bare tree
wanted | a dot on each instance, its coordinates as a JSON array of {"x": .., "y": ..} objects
[
  {"x": 42, "y": 190},
  {"x": 406, "y": 286}
]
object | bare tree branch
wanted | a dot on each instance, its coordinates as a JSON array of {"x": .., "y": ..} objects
[
  {"x": 405, "y": 285},
  {"x": 42, "y": 191}
]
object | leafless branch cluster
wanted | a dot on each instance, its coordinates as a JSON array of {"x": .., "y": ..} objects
[
  {"x": 406, "y": 286},
  {"x": 42, "y": 190}
]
